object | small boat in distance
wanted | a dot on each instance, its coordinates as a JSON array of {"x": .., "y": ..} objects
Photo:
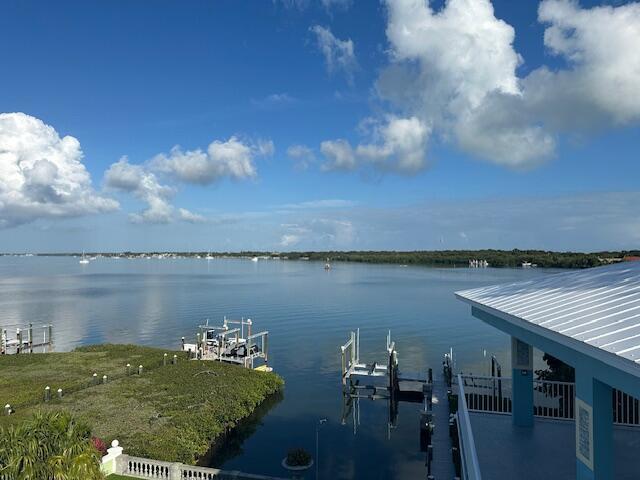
[
  {"x": 84, "y": 260},
  {"x": 254, "y": 259},
  {"x": 327, "y": 265},
  {"x": 209, "y": 256}
]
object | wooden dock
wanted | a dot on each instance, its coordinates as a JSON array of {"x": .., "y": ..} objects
[{"x": 442, "y": 463}]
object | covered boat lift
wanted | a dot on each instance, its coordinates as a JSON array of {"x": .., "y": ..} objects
[{"x": 226, "y": 344}]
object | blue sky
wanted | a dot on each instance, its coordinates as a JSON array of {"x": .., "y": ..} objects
[{"x": 319, "y": 125}]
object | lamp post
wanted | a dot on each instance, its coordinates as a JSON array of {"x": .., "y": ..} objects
[{"x": 321, "y": 422}]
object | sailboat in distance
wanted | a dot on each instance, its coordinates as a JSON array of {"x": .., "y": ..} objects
[{"x": 84, "y": 260}]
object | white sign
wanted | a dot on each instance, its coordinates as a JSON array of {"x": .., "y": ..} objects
[{"x": 584, "y": 433}]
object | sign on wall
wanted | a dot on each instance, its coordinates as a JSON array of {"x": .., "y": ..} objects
[
  {"x": 521, "y": 355},
  {"x": 584, "y": 433}
]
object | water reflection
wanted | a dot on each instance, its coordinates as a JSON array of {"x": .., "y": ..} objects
[
  {"x": 308, "y": 314},
  {"x": 230, "y": 446}
]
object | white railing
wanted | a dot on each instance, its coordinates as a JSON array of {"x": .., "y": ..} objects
[
  {"x": 553, "y": 399},
  {"x": 116, "y": 462},
  {"x": 155, "y": 469},
  {"x": 550, "y": 399},
  {"x": 468, "y": 454}
]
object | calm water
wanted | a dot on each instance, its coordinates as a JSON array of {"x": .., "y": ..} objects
[{"x": 308, "y": 312}]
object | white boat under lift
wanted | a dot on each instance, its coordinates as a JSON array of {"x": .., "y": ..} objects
[{"x": 226, "y": 343}]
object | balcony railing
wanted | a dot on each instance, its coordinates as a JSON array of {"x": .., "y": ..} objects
[
  {"x": 468, "y": 454},
  {"x": 550, "y": 399}
]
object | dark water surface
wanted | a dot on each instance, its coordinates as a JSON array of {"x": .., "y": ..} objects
[{"x": 308, "y": 312}]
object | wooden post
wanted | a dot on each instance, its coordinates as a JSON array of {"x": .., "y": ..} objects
[
  {"x": 128, "y": 369},
  {"x": 19, "y": 337},
  {"x": 30, "y": 336},
  {"x": 164, "y": 360},
  {"x": 59, "y": 393},
  {"x": 175, "y": 359},
  {"x": 104, "y": 379},
  {"x": 47, "y": 393},
  {"x": 50, "y": 342},
  {"x": 7, "y": 409},
  {"x": 95, "y": 378},
  {"x": 140, "y": 368}
]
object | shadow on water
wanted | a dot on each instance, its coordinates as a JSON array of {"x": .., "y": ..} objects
[{"x": 229, "y": 445}]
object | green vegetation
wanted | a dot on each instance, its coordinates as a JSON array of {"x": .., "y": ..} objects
[
  {"x": 25, "y": 376},
  {"x": 298, "y": 457},
  {"x": 47, "y": 447},
  {"x": 436, "y": 258},
  {"x": 556, "y": 371},
  {"x": 460, "y": 258},
  {"x": 172, "y": 412}
]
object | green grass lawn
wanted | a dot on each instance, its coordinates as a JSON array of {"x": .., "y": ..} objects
[
  {"x": 24, "y": 377},
  {"x": 170, "y": 413}
]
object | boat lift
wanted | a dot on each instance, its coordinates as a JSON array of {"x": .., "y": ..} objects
[
  {"x": 24, "y": 340},
  {"x": 229, "y": 345},
  {"x": 395, "y": 389}
]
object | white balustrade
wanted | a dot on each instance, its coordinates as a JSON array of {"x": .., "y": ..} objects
[{"x": 146, "y": 468}]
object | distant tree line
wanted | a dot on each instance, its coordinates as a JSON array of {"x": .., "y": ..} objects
[
  {"x": 460, "y": 258},
  {"x": 435, "y": 258}
]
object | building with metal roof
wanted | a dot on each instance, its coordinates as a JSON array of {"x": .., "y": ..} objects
[{"x": 589, "y": 319}]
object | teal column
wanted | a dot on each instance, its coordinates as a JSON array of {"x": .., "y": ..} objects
[
  {"x": 594, "y": 428},
  {"x": 522, "y": 374}
]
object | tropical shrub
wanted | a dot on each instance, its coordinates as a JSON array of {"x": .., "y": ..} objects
[
  {"x": 49, "y": 446},
  {"x": 298, "y": 457}
]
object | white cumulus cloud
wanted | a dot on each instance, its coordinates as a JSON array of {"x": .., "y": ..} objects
[
  {"x": 42, "y": 174},
  {"x": 455, "y": 70},
  {"x": 339, "y": 155},
  {"x": 144, "y": 185},
  {"x": 232, "y": 158},
  {"x": 397, "y": 144},
  {"x": 339, "y": 55}
]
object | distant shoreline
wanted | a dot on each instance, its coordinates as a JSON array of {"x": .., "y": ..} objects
[{"x": 433, "y": 258}]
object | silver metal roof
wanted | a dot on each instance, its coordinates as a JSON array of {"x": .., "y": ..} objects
[{"x": 598, "y": 306}]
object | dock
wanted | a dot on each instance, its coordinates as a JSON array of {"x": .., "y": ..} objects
[
  {"x": 441, "y": 462},
  {"x": 230, "y": 345},
  {"x": 434, "y": 417},
  {"x": 15, "y": 339}
]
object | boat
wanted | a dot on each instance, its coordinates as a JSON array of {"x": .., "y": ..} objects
[
  {"x": 84, "y": 260},
  {"x": 254, "y": 259},
  {"x": 327, "y": 265},
  {"x": 209, "y": 256}
]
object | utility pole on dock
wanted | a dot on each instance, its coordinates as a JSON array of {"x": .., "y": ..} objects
[{"x": 321, "y": 422}]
